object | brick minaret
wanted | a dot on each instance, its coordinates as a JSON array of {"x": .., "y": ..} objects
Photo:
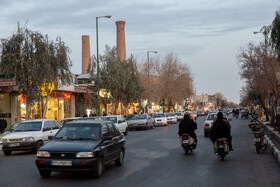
[
  {"x": 121, "y": 40},
  {"x": 85, "y": 53}
]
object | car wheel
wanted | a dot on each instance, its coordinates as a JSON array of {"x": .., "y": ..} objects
[
  {"x": 147, "y": 127},
  {"x": 39, "y": 144},
  {"x": 119, "y": 161},
  {"x": 98, "y": 169},
  {"x": 45, "y": 173},
  {"x": 7, "y": 153},
  {"x": 125, "y": 132}
]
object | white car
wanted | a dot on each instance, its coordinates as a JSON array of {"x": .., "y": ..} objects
[
  {"x": 209, "y": 122},
  {"x": 119, "y": 121},
  {"x": 160, "y": 119},
  {"x": 29, "y": 135},
  {"x": 179, "y": 116},
  {"x": 171, "y": 117}
]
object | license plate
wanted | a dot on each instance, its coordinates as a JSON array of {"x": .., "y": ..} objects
[
  {"x": 158, "y": 120},
  {"x": 257, "y": 139},
  {"x": 221, "y": 146},
  {"x": 135, "y": 125},
  {"x": 14, "y": 144},
  {"x": 61, "y": 163},
  {"x": 185, "y": 141}
]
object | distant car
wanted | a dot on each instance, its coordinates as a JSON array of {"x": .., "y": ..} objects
[
  {"x": 128, "y": 116},
  {"x": 200, "y": 113},
  {"x": 29, "y": 135},
  {"x": 179, "y": 116},
  {"x": 141, "y": 121},
  {"x": 119, "y": 121},
  {"x": 160, "y": 119},
  {"x": 171, "y": 117},
  {"x": 209, "y": 122},
  {"x": 62, "y": 122},
  {"x": 82, "y": 146}
]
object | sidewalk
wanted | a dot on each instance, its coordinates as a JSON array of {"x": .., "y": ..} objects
[{"x": 273, "y": 139}]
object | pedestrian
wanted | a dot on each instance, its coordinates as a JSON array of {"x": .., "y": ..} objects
[
  {"x": 3, "y": 124},
  {"x": 94, "y": 114},
  {"x": 104, "y": 113}
]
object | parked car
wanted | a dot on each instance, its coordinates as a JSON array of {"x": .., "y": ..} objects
[
  {"x": 160, "y": 119},
  {"x": 209, "y": 122},
  {"x": 29, "y": 135},
  {"x": 171, "y": 117},
  {"x": 82, "y": 146},
  {"x": 200, "y": 113},
  {"x": 119, "y": 121},
  {"x": 179, "y": 116},
  {"x": 141, "y": 121}
]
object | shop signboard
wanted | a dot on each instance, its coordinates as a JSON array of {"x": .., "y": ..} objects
[
  {"x": 8, "y": 80},
  {"x": 62, "y": 95}
]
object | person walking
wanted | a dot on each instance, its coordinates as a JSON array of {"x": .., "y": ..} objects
[{"x": 3, "y": 124}]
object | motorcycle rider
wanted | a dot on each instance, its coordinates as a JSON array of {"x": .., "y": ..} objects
[
  {"x": 221, "y": 129},
  {"x": 188, "y": 126}
]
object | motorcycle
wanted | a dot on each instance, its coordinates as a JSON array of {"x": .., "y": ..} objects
[
  {"x": 260, "y": 141},
  {"x": 188, "y": 143},
  {"x": 221, "y": 148}
]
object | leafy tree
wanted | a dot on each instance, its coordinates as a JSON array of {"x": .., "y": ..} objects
[
  {"x": 275, "y": 33},
  {"x": 36, "y": 62},
  {"x": 120, "y": 78}
]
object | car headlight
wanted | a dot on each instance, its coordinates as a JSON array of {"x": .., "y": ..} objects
[
  {"x": 85, "y": 155},
  {"x": 4, "y": 140},
  {"x": 44, "y": 154},
  {"x": 29, "y": 139}
]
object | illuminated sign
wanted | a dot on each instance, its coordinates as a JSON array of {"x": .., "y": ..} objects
[{"x": 60, "y": 95}]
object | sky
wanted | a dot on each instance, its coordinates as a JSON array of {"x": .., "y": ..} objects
[{"x": 207, "y": 35}]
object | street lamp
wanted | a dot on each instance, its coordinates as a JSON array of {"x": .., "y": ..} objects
[
  {"x": 149, "y": 74},
  {"x": 97, "y": 58}
]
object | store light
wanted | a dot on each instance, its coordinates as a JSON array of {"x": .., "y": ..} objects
[
  {"x": 61, "y": 101},
  {"x": 23, "y": 105}
]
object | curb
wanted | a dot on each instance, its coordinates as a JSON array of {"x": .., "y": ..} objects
[{"x": 274, "y": 149}]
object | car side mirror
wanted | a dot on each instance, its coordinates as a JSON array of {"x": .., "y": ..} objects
[
  {"x": 107, "y": 138},
  {"x": 50, "y": 137}
]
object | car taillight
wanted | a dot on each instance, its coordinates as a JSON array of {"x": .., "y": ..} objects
[
  {"x": 206, "y": 125},
  {"x": 257, "y": 135},
  {"x": 220, "y": 142},
  {"x": 185, "y": 137}
]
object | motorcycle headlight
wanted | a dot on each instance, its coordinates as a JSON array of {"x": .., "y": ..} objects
[
  {"x": 85, "y": 155},
  {"x": 43, "y": 154},
  {"x": 29, "y": 139}
]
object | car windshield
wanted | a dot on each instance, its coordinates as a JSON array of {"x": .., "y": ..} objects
[
  {"x": 28, "y": 126},
  {"x": 141, "y": 116},
  {"x": 108, "y": 118},
  {"x": 170, "y": 114},
  {"x": 158, "y": 115},
  {"x": 79, "y": 132},
  {"x": 178, "y": 114},
  {"x": 12, "y": 128}
]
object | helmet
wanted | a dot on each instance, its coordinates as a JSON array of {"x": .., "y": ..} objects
[
  {"x": 186, "y": 115},
  {"x": 220, "y": 115}
]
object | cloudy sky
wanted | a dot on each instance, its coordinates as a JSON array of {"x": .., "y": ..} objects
[{"x": 205, "y": 34}]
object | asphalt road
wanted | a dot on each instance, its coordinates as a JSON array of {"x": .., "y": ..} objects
[{"x": 155, "y": 158}]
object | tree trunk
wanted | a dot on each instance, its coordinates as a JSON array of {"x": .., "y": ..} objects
[
  {"x": 27, "y": 110},
  {"x": 46, "y": 104}
]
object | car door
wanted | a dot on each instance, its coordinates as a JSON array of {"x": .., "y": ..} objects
[
  {"x": 124, "y": 123},
  {"x": 108, "y": 145},
  {"x": 116, "y": 140},
  {"x": 55, "y": 127},
  {"x": 150, "y": 120},
  {"x": 47, "y": 130}
]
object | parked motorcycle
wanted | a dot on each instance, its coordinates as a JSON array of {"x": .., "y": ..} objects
[
  {"x": 260, "y": 141},
  {"x": 188, "y": 143},
  {"x": 221, "y": 148}
]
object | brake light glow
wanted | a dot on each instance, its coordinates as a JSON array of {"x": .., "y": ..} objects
[
  {"x": 185, "y": 137},
  {"x": 206, "y": 125}
]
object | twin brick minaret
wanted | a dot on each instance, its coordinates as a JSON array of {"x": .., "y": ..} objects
[{"x": 121, "y": 51}]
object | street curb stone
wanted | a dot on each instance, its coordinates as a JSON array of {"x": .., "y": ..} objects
[{"x": 274, "y": 149}]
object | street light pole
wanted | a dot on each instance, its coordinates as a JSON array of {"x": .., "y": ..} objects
[
  {"x": 97, "y": 59},
  {"x": 149, "y": 76}
]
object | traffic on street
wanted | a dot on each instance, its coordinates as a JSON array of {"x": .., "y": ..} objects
[{"x": 156, "y": 158}]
